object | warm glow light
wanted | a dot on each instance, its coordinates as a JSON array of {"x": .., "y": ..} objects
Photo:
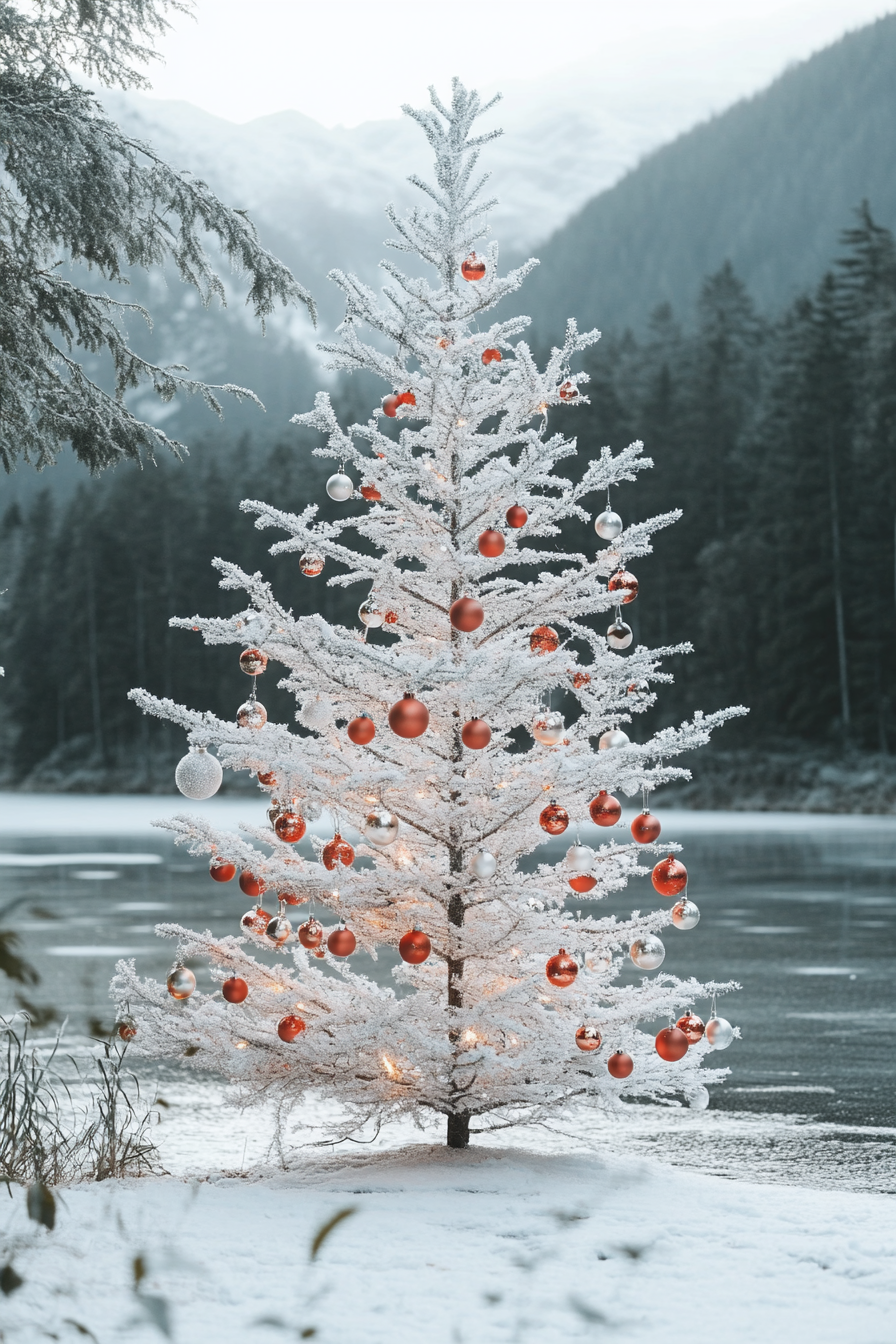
[
  {"x": 470, "y": 1037},
  {"x": 461, "y": 422},
  {"x": 371, "y": 798},
  {"x": 242, "y": 1045},
  {"x": 392, "y": 1069}
]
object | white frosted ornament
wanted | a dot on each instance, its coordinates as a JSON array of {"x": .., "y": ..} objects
[
  {"x": 613, "y": 737},
  {"x": 647, "y": 952},
  {"x": 698, "y": 1099},
  {"x": 198, "y": 775},
  {"x": 483, "y": 864},
  {"x": 548, "y": 729},
  {"x": 619, "y": 634},
  {"x": 685, "y": 914},
  {"x": 317, "y": 713},
  {"x": 579, "y": 858},
  {"x": 380, "y": 827},
  {"x": 371, "y": 614},
  {"x": 719, "y": 1033},
  {"x": 340, "y": 487},
  {"x": 608, "y": 525}
]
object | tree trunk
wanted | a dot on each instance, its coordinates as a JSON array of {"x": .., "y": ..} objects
[
  {"x": 458, "y": 1131},
  {"x": 840, "y": 623}
]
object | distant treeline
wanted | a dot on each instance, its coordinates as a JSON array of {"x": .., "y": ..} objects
[{"x": 776, "y": 438}]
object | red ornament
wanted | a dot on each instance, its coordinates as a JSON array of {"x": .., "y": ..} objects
[
  {"x": 561, "y": 969},
  {"x": 466, "y": 614},
  {"x": 289, "y": 898},
  {"x": 472, "y": 267},
  {"x": 580, "y": 679},
  {"x": 255, "y": 921},
  {"x": 605, "y": 810},
  {"x": 312, "y": 565},
  {"x": 544, "y": 639},
  {"x": 288, "y": 1028},
  {"x": 221, "y": 870},
  {"x": 234, "y": 989},
  {"x": 583, "y": 882},
  {"x": 311, "y": 934},
  {"x": 250, "y": 884},
  {"x": 414, "y": 947},
  {"x": 127, "y": 1030},
  {"x": 554, "y": 819},
  {"x": 620, "y": 1065},
  {"x": 267, "y": 778},
  {"x": 670, "y": 876},
  {"x": 390, "y": 405},
  {"x": 692, "y": 1026},
  {"x": 361, "y": 731},
  {"x": 491, "y": 356},
  {"x": 342, "y": 942},
  {"x": 290, "y": 827},
  {"x": 409, "y": 717},
  {"x": 517, "y": 516},
  {"x": 253, "y": 662},
  {"x": 390, "y": 618},
  {"x": 370, "y": 493},
  {"x": 588, "y": 1039},
  {"x": 407, "y": 399},
  {"x": 645, "y": 828},
  {"x": 623, "y": 581},
  {"x": 671, "y": 1044},
  {"x": 476, "y": 734},
  {"x": 568, "y": 391},
  {"x": 491, "y": 543},
  {"x": 336, "y": 851}
]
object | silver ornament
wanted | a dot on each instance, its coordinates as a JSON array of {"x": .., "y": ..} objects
[
  {"x": 685, "y": 914},
  {"x": 278, "y": 929},
  {"x": 698, "y": 1099},
  {"x": 647, "y": 952},
  {"x": 181, "y": 983},
  {"x": 340, "y": 487},
  {"x": 619, "y": 635},
  {"x": 613, "y": 737},
  {"x": 579, "y": 858},
  {"x": 252, "y": 714},
  {"x": 380, "y": 827},
  {"x": 719, "y": 1033},
  {"x": 548, "y": 729},
  {"x": 598, "y": 962},
  {"x": 311, "y": 564},
  {"x": 198, "y": 775},
  {"x": 483, "y": 864},
  {"x": 371, "y": 614},
  {"x": 608, "y": 525}
]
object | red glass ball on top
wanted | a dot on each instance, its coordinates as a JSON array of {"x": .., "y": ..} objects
[
  {"x": 409, "y": 717},
  {"x": 476, "y": 734},
  {"x": 544, "y": 639},
  {"x": 561, "y": 969},
  {"x": 361, "y": 731},
  {"x": 692, "y": 1026},
  {"x": 288, "y": 1028},
  {"x": 588, "y": 1039},
  {"x": 671, "y": 1044},
  {"x": 568, "y": 391},
  {"x": 670, "y": 877},
  {"x": 605, "y": 810},
  {"x": 645, "y": 828},
  {"x": 620, "y": 1065},
  {"x": 390, "y": 405},
  {"x": 472, "y": 267},
  {"x": 234, "y": 989},
  {"x": 342, "y": 942},
  {"x": 491, "y": 356},
  {"x": 370, "y": 493},
  {"x": 255, "y": 921},
  {"x": 622, "y": 581},
  {"x": 517, "y": 516},
  {"x": 554, "y": 819},
  {"x": 311, "y": 933},
  {"x": 466, "y": 614},
  {"x": 582, "y": 882},
  {"x": 290, "y": 827},
  {"x": 491, "y": 543},
  {"x": 267, "y": 778},
  {"x": 414, "y": 947},
  {"x": 250, "y": 884},
  {"x": 221, "y": 870},
  {"x": 253, "y": 662},
  {"x": 336, "y": 851}
]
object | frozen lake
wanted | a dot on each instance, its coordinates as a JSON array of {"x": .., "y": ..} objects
[{"x": 799, "y": 909}]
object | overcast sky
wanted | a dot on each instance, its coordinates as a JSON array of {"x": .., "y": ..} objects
[{"x": 348, "y": 61}]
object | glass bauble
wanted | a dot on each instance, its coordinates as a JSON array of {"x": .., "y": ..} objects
[
  {"x": 561, "y": 969},
  {"x": 719, "y": 1033},
  {"x": 554, "y": 819},
  {"x": 483, "y": 864},
  {"x": 340, "y": 487},
  {"x": 380, "y": 827},
  {"x": 491, "y": 356},
  {"x": 317, "y": 713},
  {"x": 290, "y": 827},
  {"x": 472, "y": 267},
  {"x": 337, "y": 851},
  {"x": 544, "y": 639},
  {"x": 568, "y": 391},
  {"x": 608, "y": 525},
  {"x": 290, "y": 898},
  {"x": 619, "y": 635},
  {"x": 605, "y": 810},
  {"x": 620, "y": 1065},
  {"x": 612, "y": 738},
  {"x": 278, "y": 929},
  {"x": 491, "y": 543},
  {"x": 476, "y": 734},
  {"x": 253, "y": 662},
  {"x": 671, "y": 1044},
  {"x": 407, "y": 399},
  {"x": 221, "y": 870},
  {"x": 692, "y": 1026},
  {"x": 311, "y": 933},
  {"x": 645, "y": 828},
  {"x": 582, "y": 882},
  {"x": 371, "y": 494},
  {"x": 198, "y": 775},
  {"x": 466, "y": 614},
  {"x": 371, "y": 614},
  {"x": 623, "y": 582},
  {"x": 341, "y": 942},
  {"x": 251, "y": 714},
  {"x": 685, "y": 914},
  {"x": 267, "y": 778},
  {"x": 579, "y": 858},
  {"x": 414, "y": 947},
  {"x": 391, "y": 404},
  {"x": 251, "y": 885},
  {"x": 361, "y": 731},
  {"x": 274, "y": 810},
  {"x": 647, "y": 952},
  {"x": 255, "y": 921},
  {"x": 289, "y": 1027},
  {"x": 181, "y": 983},
  {"x": 669, "y": 877},
  {"x": 235, "y": 990},
  {"x": 408, "y": 717},
  {"x": 698, "y": 1098},
  {"x": 126, "y": 1028},
  {"x": 588, "y": 1039},
  {"x": 517, "y": 516},
  {"x": 548, "y": 728},
  {"x": 311, "y": 565}
]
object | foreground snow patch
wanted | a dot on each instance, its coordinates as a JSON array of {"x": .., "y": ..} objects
[{"x": 483, "y": 1245}]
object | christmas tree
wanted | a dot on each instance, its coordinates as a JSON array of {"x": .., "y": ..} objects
[{"x": 437, "y": 741}]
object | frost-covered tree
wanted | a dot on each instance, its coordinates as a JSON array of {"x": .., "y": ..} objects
[
  {"x": 507, "y": 1001},
  {"x": 76, "y": 189}
]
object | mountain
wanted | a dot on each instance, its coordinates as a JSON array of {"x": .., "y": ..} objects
[{"x": 768, "y": 185}]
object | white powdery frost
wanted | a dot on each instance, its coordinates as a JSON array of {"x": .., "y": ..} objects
[{"x": 483, "y": 1035}]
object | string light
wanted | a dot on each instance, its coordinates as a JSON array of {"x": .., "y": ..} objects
[{"x": 391, "y": 1068}]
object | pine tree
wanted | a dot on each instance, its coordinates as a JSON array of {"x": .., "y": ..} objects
[{"x": 482, "y": 1023}]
